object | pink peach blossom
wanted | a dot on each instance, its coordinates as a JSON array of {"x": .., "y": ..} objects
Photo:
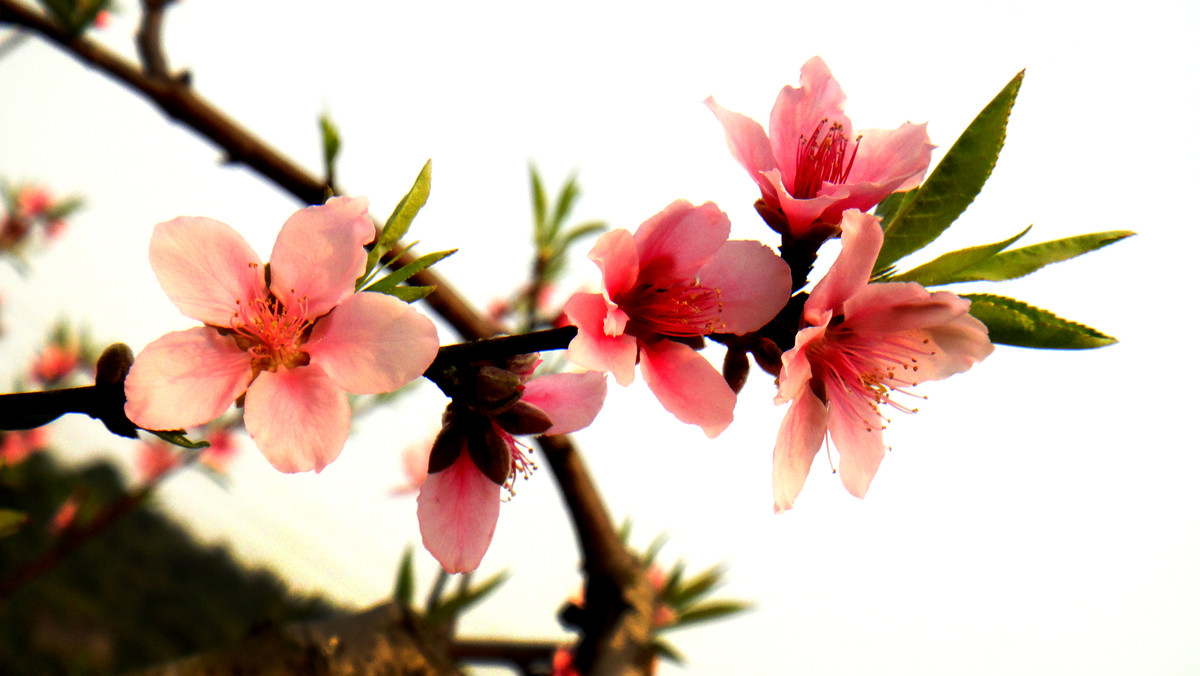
[
  {"x": 813, "y": 167},
  {"x": 290, "y": 337},
  {"x": 676, "y": 277},
  {"x": 54, "y": 363},
  {"x": 863, "y": 343},
  {"x": 459, "y": 505},
  {"x": 17, "y": 445}
]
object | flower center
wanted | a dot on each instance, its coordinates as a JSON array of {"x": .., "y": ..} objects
[
  {"x": 861, "y": 372},
  {"x": 272, "y": 333},
  {"x": 682, "y": 311},
  {"x": 822, "y": 159}
]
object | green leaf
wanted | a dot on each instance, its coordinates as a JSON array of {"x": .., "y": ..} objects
[
  {"x": 581, "y": 230},
  {"x": 402, "y": 216},
  {"x": 1012, "y": 322},
  {"x": 539, "y": 207},
  {"x": 1021, "y": 262},
  {"x": 331, "y": 143},
  {"x": 464, "y": 599},
  {"x": 179, "y": 438},
  {"x": 708, "y": 612},
  {"x": 954, "y": 183},
  {"x": 892, "y": 205},
  {"x": 945, "y": 268},
  {"x": 652, "y": 551},
  {"x": 405, "y": 579},
  {"x": 11, "y": 521},
  {"x": 410, "y": 294},
  {"x": 696, "y": 587},
  {"x": 667, "y": 651},
  {"x": 395, "y": 277},
  {"x": 566, "y": 201}
]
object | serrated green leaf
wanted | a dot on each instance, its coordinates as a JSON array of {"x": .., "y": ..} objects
[
  {"x": 1013, "y": 322},
  {"x": 402, "y": 216},
  {"x": 945, "y": 268},
  {"x": 463, "y": 599},
  {"x": 409, "y": 294},
  {"x": 405, "y": 579},
  {"x": 396, "y": 277},
  {"x": 893, "y": 204},
  {"x": 667, "y": 651},
  {"x": 954, "y": 183},
  {"x": 707, "y": 612},
  {"x": 179, "y": 438},
  {"x": 691, "y": 590},
  {"x": 539, "y": 207},
  {"x": 1021, "y": 262},
  {"x": 11, "y": 521}
]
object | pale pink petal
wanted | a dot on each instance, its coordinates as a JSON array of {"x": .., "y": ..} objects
[
  {"x": 373, "y": 343},
  {"x": 861, "y": 239},
  {"x": 749, "y": 145},
  {"x": 572, "y": 400},
  {"x": 901, "y": 306},
  {"x": 299, "y": 418},
  {"x": 960, "y": 344},
  {"x": 675, "y": 242},
  {"x": 688, "y": 386},
  {"x": 894, "y": 159},
  {"x": 796, "y": 370},
  {"x": 206, "y": 268},
  {"x": 185, "y": 378},
  {"x": 457, "y": 512},
  {"x": 593, "y": 348},
  {"x": 616, "y": 255},
  {"x": 859, "y": 444},
  {"x": 796, "y": 445},
  {"x": 799, "y": 111},
  {"x": 319, "y": 253},
  {"x": 748, "y": 301}
]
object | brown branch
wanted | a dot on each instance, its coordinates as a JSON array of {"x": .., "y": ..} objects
[
  {"x": 149, "y": 38},
  {"x": 616, "y": 633}
]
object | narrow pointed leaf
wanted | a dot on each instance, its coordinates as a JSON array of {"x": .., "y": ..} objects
[
  {"x": 402, "y": 216},
  {"x": 405, "y": 579},
  {"x": 1012, "y": 322},
  {"x": 581, "y": 230},
  {"x": 399, "y": 276},
  {"x": 331, "y": 143},
  {"x": 1021, "y": 262},
  {"x": 668, "y": 652},
  {"x": 708, "y": 612},
  {"x": 178, "y": 438},
  {"x": 945, "y": 268},
  {"x": 539, "y": 207},
  {"x": 954, "y": 183},
  {"x": 410, "y": 294},
  {"x": 892, "y": 205},
  {"x": 566, "y": 201},
  {"x": 698, "y": 586},
  {"x": 463, "y": 599},
  {"x": 671, "y": 587}
]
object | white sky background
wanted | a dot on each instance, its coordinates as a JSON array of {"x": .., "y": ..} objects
[{"x": 1039, "y": 515}]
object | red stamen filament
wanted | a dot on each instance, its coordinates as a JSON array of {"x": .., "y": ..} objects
[
  {"x": 272, "y": 333},
  {"x": 822, "y": 160},
  {"x": 681, "y": 311}
]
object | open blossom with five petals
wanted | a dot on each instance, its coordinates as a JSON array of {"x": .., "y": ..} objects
[
  {"x": 678, "y": 276},
  {"x": 813, "y": 167},
  {"x": 290, "y": 338},
  {"x": 475, "y": 456},
  {"x": 863, "y": 342}
]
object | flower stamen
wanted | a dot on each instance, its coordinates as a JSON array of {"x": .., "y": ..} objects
[{"x": 822, "y": 160}]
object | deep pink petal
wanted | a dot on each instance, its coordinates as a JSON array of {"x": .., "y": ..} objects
[
  {"x": 803, "y": 215},
  {"x": 185, "y": 378},
  {"x": 299, "y": 418},
  {"x": 796, "y": 445},
  {"x": 748, "y": 301},
  {"x": 593, "y": 348},
  {"x": 457, "y": 512},
  {"x": 748, "y": 143},
  {"x": 319, "y": 253},
  {"x": 799, "y": 111},
  {"x": 373, "y": 343},
  {"x": 675, "y": 242},
  {"x": 859, "y": 444},
  {"x": 688, "y": 386},
  {"x": 206, "y": 268},
  {"x": 572, "y": 400},
  {"x": 861, "y": 240},
  {"x": 616, "y": 255}
]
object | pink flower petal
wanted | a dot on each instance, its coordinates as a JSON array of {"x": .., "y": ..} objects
[
  {"x": 572, "y": 400},
  {"x": 185, "y": 378},
  {"x": 457, "y": 512},
  {"x": 861, "y": 240},
  {"x": 593, "y": 348},
  {"x": 749, "y": 145},
  {"x": 796, "y": 445},
  {"x": 675, "y": 242},
  {"x": 373, "y": 343},
  {"x": 616, "y": 255},
  {"x": 961, "y": 344},
  {"x": 859, "y": 445},
  {"x": 319, "y": 253},
  {"x": 901, "y": 306},
  {"x": 206, "y": 268},
  {"x": 748, "y": 301},
  {"x": 894, "y": 159},
  {"x": 299, "y": 418},
  {"x": 799, "y": 111},
  {"x": 688, "y": 386}
]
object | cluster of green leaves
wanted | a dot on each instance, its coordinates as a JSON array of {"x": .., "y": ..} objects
[
  {"x": 686, "y": 597},
  {"x": 75, "y": 15},
  {"x": 441, "y": 607},
  {"x": 396, "y": 227},
  {"x": 913, "y": 219}
]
